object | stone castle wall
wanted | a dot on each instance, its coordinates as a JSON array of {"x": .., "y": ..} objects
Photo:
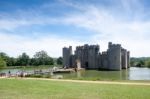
[
  {"x": 115, "y": 58},
  {"x": 124, "y": 58},
  {"x": 128, "y": 59},
  {"x": 67, "y": 53}
]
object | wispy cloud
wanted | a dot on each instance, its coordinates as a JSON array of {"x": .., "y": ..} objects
[
  {"x": 15, "y": 45},
  {"x": 106, "y": 26},
  {"x": 123, "y": 23}
]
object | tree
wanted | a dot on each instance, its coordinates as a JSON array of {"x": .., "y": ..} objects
[
  {"x": 59, "y": 61},
  {"x": 3, "y": 55},
  {"x": 141, "y": 63},
  {"x": 42, "y": 58},
  {"x": 23, "y": 60},
  {"x": 2, "y": 63},
  {"x": 132, "y": 63},
  {"x": 33, "y": 62},
  {"x": 11, "y": 61},
  {"x": 148, "y": 63}
]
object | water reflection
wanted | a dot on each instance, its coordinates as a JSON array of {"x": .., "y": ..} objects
[
  {"x": 133, "y": 73},
  {"x": 139, "y": 73}
]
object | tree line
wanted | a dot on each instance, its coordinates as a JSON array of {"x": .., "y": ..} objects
[
  {"x": 140, "y": 62},
  {"x": 39, "y": 58}
]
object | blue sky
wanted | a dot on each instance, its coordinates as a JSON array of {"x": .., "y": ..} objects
[{"x": 33, "y": 25}]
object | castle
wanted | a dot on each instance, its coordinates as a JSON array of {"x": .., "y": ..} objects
[{"x": 89, "y": 57}]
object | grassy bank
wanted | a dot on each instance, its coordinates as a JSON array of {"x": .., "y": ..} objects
[{"x": 42, "y": 89}]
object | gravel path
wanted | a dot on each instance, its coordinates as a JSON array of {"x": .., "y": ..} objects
[{"x": 83, "y": 81}]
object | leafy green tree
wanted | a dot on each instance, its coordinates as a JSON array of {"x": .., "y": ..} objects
[
  {"x": 132, "y": 63},
  {"x": 148, "y": 63},
  {"x": 11, "y": 61},
  {"x": 59, "y": 61},
  {"x": 42, "y": 58},
  {"x": 3, "y": 55},
  {"x": 141, "y": 63},
  {"x": 33, "y": 62},
  {"x": 2, "y": 62},
  {"x": 49, "y": 61},
  {"x": 23, "y": 60}
]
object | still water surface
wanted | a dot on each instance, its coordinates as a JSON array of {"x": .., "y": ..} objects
[{"x": 133, "y": 73}]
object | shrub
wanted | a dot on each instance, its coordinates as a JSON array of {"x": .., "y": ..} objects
[{"x": 2, "y": 63}]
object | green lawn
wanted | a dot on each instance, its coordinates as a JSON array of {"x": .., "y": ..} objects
[{"x": 43, "y": 89}]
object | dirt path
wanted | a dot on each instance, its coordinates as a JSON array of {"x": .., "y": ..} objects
[{"x": 83, "y": 81}]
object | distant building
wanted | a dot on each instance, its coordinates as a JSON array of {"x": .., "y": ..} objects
[{"x": 89, "y": 56}]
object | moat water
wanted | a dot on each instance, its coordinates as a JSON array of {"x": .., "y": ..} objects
[{"x": 133, "y": 73}]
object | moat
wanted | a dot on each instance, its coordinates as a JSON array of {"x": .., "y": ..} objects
[{"x": 132, "y": 73}]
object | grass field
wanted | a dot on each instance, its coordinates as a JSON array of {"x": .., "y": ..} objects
[{"x": 44, "y": 89}]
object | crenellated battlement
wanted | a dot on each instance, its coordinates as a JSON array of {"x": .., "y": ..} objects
[{"x": 115, "y": 58}]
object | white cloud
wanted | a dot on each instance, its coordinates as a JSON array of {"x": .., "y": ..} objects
[
  {"x": 14, "y": 23},
  {"x": 105, "y": 24},
  {"x": 15, "y": 45},
  {"x": 106, "y": 27}
]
